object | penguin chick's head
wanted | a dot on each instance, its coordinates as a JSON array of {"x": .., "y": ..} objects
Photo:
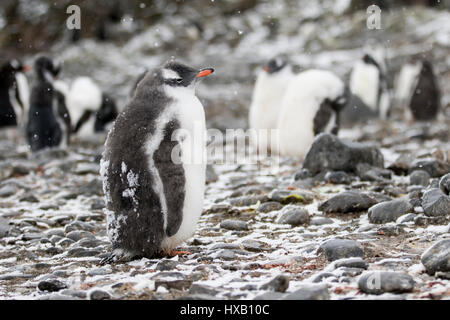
[
  {"x": 275, "y": 64},
  {"x": 45, "y": 68},
  {"x": 176, "y": 74}
]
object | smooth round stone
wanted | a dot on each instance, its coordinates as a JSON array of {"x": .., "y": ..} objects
[
  {"x": 319, "y": 221},
  {"x": 435, "y": 203},
  {"x": 99, "y": 272},
  {"x": 341, "y": 248},
  {"x": 419, "y": 178},
  {"x": 166, "y": 265},
  {"x": 234, "y": 225},
  {"x": 310, "y": 292},
  {"x": 8, "y": 190},
  {"x": 437, "y": 257},
  {"x": 270, "y": 296},
  {"x": 294, "y": 217},
  {"x": 444, "y": 184},
  {"x": 385, "y": 281},
  {"x": 225, "y": 254},
  {"x": 51, "y": 285},
  {"x": 389, "y": 211},
  {"x": 302, "y": 174},
  {"x": 347, "y": 201},
  {"x": 98, "y": 294},
  {"x": 337, "y": 177},
  {"x": 278, "y": 284},
  {"x": 351, "y": 263},
  {"x": 203, "y": 289},
  {"x": 269, "y": 206}
]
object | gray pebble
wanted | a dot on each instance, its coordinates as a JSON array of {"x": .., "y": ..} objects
[
  {"x": 319, "y": 221},
  {"x": 166, "y": 265},
  {"x": 347, "y": 201},
  {"x": 419, "y": 177},
  {"x": 435, "y": 203},
  {"x": 310, "y": 292},
  {"x": 341, "y": 248},
  {"x": 278, "y": 284},
  {"x": 294, "y": 216},
  {"x": 444, "y": 184},
  {"x": 337, "y": 177},
  {"x": 389, "y": 211},
  {"x": 234, "y": 225},
  {"x": 378, "y": 282},
  {"x": 51, "y": 285},
  {"x": 437, "y": 257},
  {"x": 269, "y": 206},
  {"x": 98, "y": 294}
]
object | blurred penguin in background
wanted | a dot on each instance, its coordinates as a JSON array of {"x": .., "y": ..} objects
[
  {"x": 311, "y": 105},
  {"x": 418, "y": 92},
  {"x": 92, "y": 111},
  {"x": 14, "y": 94},
  {"x": 48, "y": 122},
  {"x": 368, "y": 82},
  {"x": 271, "y": 84}
]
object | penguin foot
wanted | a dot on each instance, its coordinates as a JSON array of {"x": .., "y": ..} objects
[
  {"x": 118, "y": 255},
  {"x": 174, "y": 253}
]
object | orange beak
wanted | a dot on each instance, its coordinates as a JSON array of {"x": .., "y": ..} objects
[
  {"x": 266, "y": 68},
  {"x": 204, "y": 72},
  {"x": 26, "y": 68}
]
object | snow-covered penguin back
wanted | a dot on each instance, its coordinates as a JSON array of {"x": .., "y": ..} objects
[{"x": 300, "y": 105}]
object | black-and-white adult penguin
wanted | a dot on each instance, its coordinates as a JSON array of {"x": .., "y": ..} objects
[
  {"x": 311, "y": 105},
  {"x": 368, "y": 81},
  {"x": 48, "y": 118},
  {"x": 13, "y": 93},
  {"x": 270, "y": 86},
  {"x": 91, "y": 109},
  {"x": 153, "y": 166},
  {"x": 418, "y": 91}
]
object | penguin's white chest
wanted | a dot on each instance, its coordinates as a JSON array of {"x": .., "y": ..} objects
[
  {"x": 188, "y": 110},
  {"x": 364, "y": 82}
]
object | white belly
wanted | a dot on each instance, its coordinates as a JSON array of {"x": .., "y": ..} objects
[
  {"x": 191, "y": 115},
  {"x": 364, "y": 82},
  {"x": 299, "y": 107}
]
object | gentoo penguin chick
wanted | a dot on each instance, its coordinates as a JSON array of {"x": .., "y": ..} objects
[
  {"x": 153, "y": 185},
  {"x": 311, "y": 105},
  {"x": 14, "y": 93},
  {"x": 368, "y": 81},
  {"x": 48, "y": 118},
  {"x": 91, "y": 109},
  {"x": 418, "y": 91},
  {"x": 270, "y": 86}
]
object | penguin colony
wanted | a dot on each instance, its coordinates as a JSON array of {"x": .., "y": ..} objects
[
  {"x": 153, "y": 203},
  {"x": 300, "y": 106},
  {"x": 53, "y": 110}
]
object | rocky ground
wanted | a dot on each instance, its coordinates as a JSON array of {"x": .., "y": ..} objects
[{"x": 356, "y": 230}]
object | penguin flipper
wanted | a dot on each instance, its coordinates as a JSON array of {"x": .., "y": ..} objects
[{"x": 173, "y": 178}]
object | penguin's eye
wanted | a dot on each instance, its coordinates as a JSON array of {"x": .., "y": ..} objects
[{"x": 179, "y": 80}]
